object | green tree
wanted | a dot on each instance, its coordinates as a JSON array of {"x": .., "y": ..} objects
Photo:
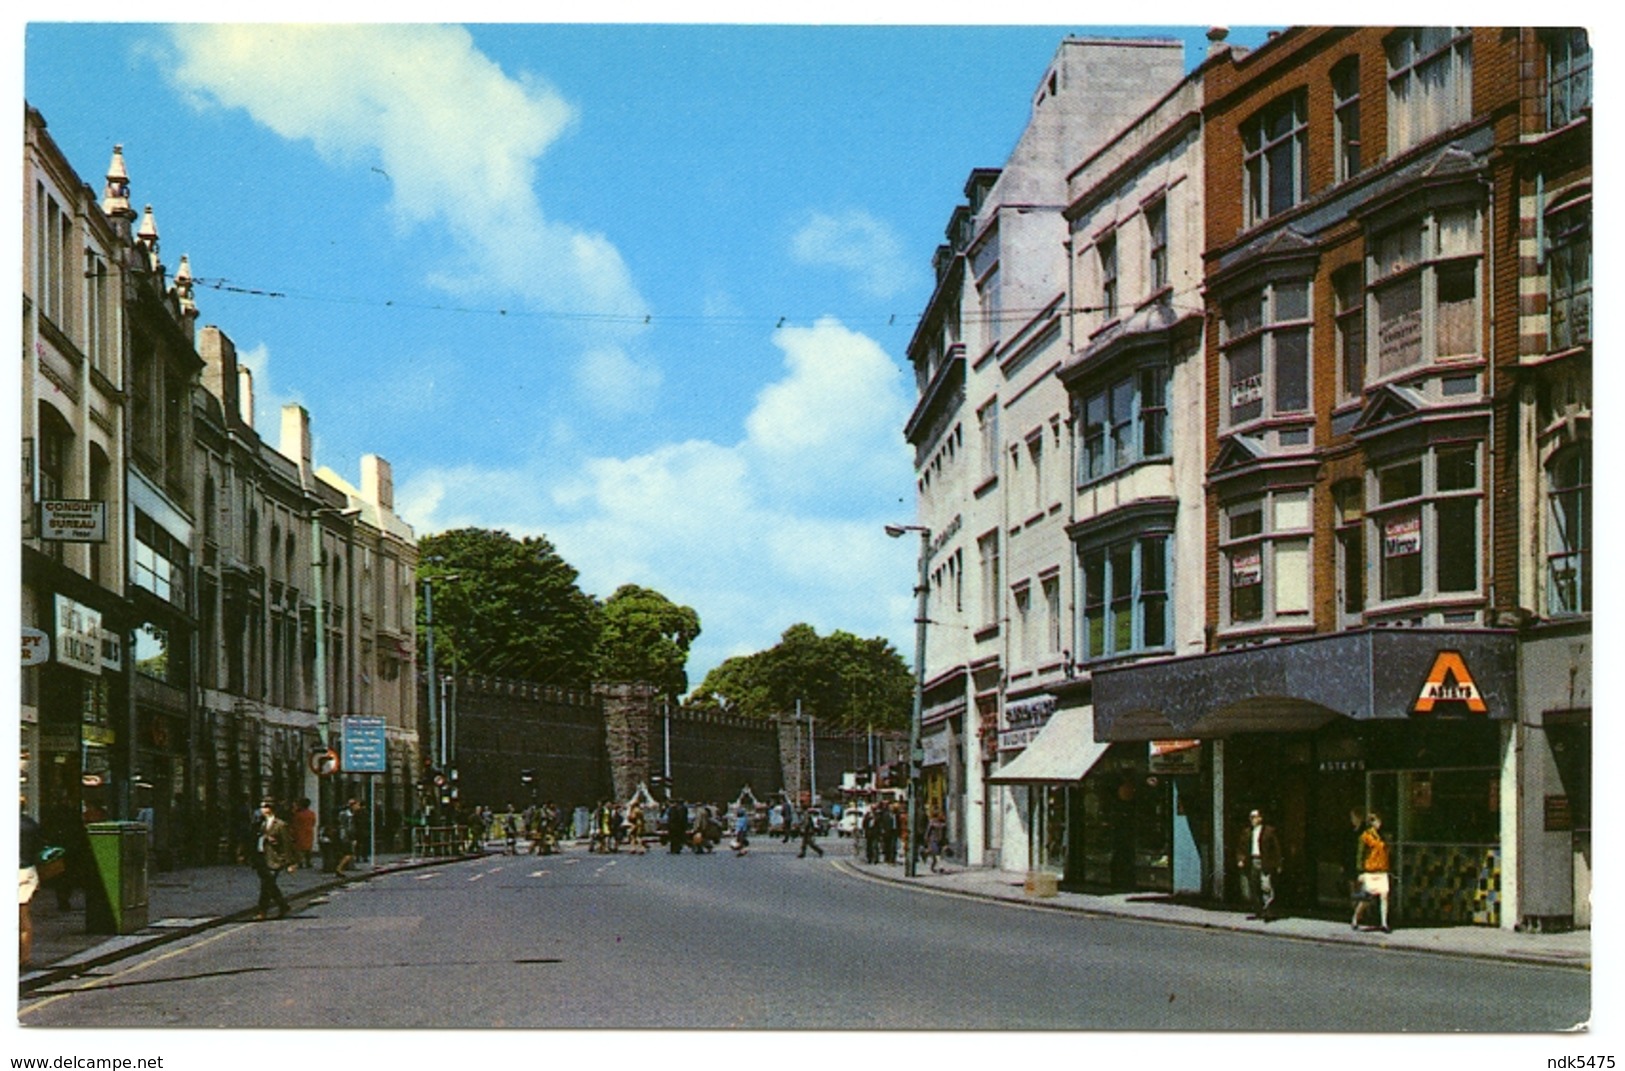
[
  {"x": 840, "y": 679},
  {"x": 514, "y": 609},
  {"x": 646, "y": 637}
]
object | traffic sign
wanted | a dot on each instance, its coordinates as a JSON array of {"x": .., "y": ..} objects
[{"x": 363, "y": 744}]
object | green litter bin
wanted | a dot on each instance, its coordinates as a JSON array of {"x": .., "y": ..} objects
[{"x": 117, "y": 900}]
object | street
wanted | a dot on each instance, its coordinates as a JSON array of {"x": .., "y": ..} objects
[{"x": 770, "y": 941}]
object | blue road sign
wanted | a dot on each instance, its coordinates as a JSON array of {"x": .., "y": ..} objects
[{"x": 363, "y": 749}]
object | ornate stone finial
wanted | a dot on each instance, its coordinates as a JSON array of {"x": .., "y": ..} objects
[
  {"x": 183, "y": 288},
  {"x": 116, "y": 194},
  {"x": 147, "y": 235},
  {"x": 1215, "y": 39}
]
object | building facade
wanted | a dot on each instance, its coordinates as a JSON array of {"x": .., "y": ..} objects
[{"x": 172, "y": 593}]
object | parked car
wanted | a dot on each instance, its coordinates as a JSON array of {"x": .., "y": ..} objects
[{"x": 851, "y": 820}]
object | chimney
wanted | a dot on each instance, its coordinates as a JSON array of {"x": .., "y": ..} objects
[
  {"x": 1215, "y": 40},
  {"x": 378, "y": 482},
  {"x": 295, "y": 445},
  {"x": 222, "y": 376},
  {"x": 245, "y": 395}
]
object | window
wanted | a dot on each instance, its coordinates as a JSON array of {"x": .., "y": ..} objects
[
  {"x": 1426, "y": 517},
  {"x": 1568, "y": 260},
  {"x": 987, "y": 424},
  {"x": 988, "y": 298},
  {"x": 1156, "y": 230},
  {"x": 1266, "y": 353},
  {"x": 1568, "y": 532},
  {"x": 1124, "y": 423},
  {"x": 988, "y": 548},
  {"x": 55, "y": 453},
  {"x": 1349, "y": 499},
  {"x": 1568, "y": 76},
  {"x": 1052, "y": 608},
  {"x": 97, "y": 314},
  {"x": 1035, "y": 457},
  {"x": 1430, "y": 83},
  {"x": 1425, "y": 290},
  {"x": 1275, "y": 146},
  {"x": 160, "y": 561},
  {"x": 1124, "y": 588},
  {"x": 1346, "y": 116},
  {"x": 1106, "y": 248},
  {"x": 1348, "y": 286},
  {"x": 1265, "y": 550},
  {"x": 1021, "y": 641},
  {"x": 54, "y": 240}
]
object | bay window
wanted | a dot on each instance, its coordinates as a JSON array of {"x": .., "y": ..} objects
[
  {"x": 1124, "y": 591},
  {"x": 1265, "y": 547},
  {"x": 1125, "y": 422},
  {"x": 1426, "y": 519},
  {"x": 1266, "y": 353},
  {"x": 1424, "y": 289}
]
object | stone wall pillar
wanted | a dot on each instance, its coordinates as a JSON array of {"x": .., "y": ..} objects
[
  {"x": 630, "y": 733},
  {"x": 792, "y": 756}
]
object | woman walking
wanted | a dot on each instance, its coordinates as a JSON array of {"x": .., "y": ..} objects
[{"x": 1373, "y": 872}]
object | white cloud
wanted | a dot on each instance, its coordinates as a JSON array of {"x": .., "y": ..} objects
[
  {"x": 614, "y": 383},
  {"x": 458, "y": 139},
  {"x": 859, "y": 243},
  {"x": 783, "y": 525}
]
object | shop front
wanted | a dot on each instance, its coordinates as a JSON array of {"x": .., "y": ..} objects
[{"x": 1414, "y": 725}]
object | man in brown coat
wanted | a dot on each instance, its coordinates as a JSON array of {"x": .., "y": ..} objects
[
  {"x": 272, "y": 855},
  {"x": 1258, "y": 856}
]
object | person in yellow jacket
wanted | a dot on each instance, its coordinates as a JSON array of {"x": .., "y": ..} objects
[{"x": 1373, "y": 879}]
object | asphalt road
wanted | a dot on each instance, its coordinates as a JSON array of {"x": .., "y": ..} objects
[{"x": 770, "y": 941}]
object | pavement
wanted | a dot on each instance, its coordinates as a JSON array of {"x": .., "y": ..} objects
[
  {"x": 1572, "y": 949},
  {"x": 191, "y": 900}
]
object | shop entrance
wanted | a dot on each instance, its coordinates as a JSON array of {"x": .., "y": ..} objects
[{"x": 1443, "y": 828}]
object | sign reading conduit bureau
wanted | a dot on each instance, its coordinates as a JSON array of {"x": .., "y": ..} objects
[{"x": 1449, "y": 682}]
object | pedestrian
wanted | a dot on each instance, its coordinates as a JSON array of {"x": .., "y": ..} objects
[
  {"x": 1259, "y": 859},
  {"x": 635, "y": 830},
  {"x": 676, "y": 825},
  {"x": 741, "y": 841},
  {"x": 510, "y": 832},
  {"x": 936, "y": 833},
  {"x": 870, "y": 827},
  {"x": 787, "y": 824},
  {"x": 349, "y": 835},
  {"x": 28, "y": 843},
  {"x": 303, "y": 822},
  {"x": 272, "y": 853},
  {"x": 1373, "y": 872},
  {"x": 809, "y": 833},
  {"x": 888, "y": 832}
]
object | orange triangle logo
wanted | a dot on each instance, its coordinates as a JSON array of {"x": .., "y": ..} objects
[{"x": 1449, "y": 682}]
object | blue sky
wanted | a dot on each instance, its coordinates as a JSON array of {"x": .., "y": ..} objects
[{"x": 643, "y": 289}]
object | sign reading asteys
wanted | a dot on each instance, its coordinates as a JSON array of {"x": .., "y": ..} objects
[{"x": 1449, "y": 683}]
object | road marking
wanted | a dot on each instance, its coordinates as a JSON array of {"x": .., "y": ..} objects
[
  {"x": 95, "y": 983},
  {"x": 571, "y": 862},
  {"x": 477, "y": 877},
  {"x": 540, "y": 873},
  {"x": 426, "y": 877}
]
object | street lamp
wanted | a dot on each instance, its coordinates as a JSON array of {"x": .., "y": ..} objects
[
  {"x": 916, "y": 755},
  {"x": 437, "y": 729}
]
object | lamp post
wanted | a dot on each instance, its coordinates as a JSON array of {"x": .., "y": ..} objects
[
  {"x": 916, "y": 755},
  {"x": 437, "y": 729},
  {"x": 318, "y": 571}
]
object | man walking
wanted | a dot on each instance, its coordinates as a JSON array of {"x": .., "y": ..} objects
[
  {"x": 273, "y": 853},
  {"x": 1260, "y": 859},
  {"x": 809, "y": 831},
  {"x": 676, "y": 826}
]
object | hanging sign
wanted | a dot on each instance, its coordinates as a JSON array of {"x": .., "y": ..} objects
[
  {"x": 78, "y": 636},
  {"x": 72, "y": 520},
  {"x": 36, "y": 646}
]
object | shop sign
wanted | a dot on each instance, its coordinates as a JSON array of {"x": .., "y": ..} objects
[
  {"x": 1341, "y": 765},
  {"x": 1246, "y": 569},
  {"x": 1559, "y": 816},
  {"x": 1402, "y": 536},
  {"x": 1024, "y": 719},
  {"x": 1449, "y": 682},
  {"x": 97, "y": 735},
  {"x": 1246, "y": 391},
  {"x": 73, "y": 520},
  {"x": 1175, "y": 757},
  {"x": 936, "y": 749},
  {"x": 36, "y": 646},
  {"x": 78, "y": 636}
]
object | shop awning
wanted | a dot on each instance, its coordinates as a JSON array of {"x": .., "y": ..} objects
[{"x": 1063, "y": 752}]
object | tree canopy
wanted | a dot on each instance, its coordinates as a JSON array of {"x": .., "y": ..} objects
[
  {"x": 514, "y": 609},
  {"x": 841, "y": 679},
  {"x": 645, "y": 637}
]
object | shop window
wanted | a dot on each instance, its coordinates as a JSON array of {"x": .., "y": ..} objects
[
  {"x": 1125, "y": 596},
  {"x": 1266, "y": 544},
  {"x": 1124, "y": 423},
  {"x": 1424, "y": 288},
  {"x": 1426, "y": 518},
  {"x": 1430, "y": 83},
  {"x": 1568, "y": 532},
  {"x": 1346, "y": 116},
  {"x": 1275, "y": 148},
  {"x": 1266, "y": 353},
  {"x": 1568, "y": 75},
  {"x": 1568, "y": 262}
]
